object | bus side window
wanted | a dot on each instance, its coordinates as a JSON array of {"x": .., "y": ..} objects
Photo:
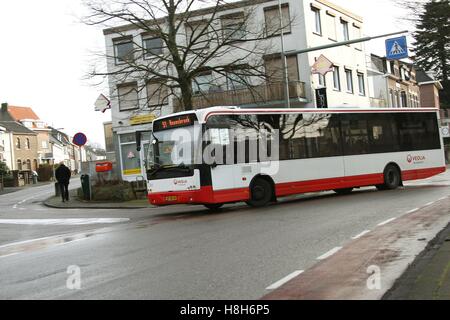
[
  {"x": 355, "y": 135},
  {"x": 382, "y": 133}
]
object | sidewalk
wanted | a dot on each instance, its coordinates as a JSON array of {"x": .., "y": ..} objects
[
  {"x": 7, "y": 190},
  {"x": 75, "y": 203},
  {"x": 428, "y": 277}
]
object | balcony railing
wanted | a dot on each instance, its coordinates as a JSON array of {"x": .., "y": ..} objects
[{"x": 252, "y": 96}]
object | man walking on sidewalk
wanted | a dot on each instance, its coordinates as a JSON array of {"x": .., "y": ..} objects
[{"x": 63, "y": 175}]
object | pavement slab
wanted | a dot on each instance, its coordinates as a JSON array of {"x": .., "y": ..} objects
[
  {"x": 428, "y": 277},
  {"x": 368, "y": 267}
]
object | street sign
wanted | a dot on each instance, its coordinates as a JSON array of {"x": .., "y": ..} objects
[
  {"x": 397, "y": 48},
  {"x": 102, "y": 104},
  {"x": 445, "y": 132},
  {"x": 321, "y": 98},
  {"x": 322, "y": 65},
  {"x": 79, "y": 139}
]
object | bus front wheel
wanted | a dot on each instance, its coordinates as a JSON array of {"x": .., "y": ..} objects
[
  {"x": 392, "y": 178},
  {"x": 261, "y": 193}
]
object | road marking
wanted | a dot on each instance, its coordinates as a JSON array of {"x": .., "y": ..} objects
[
  {"x": 329, "y": 253},
  {"x": 9, "y": 255},
  {"x": 63, "y": 222},
  {"x": 413, "y": 210},
  {"x": 361, "y": 234},
  {"x": 443, "y": 198},
  {"x": 279, "y": 283},
  {"x": 429, "y": 204},
  {"x": 386, "y": 222},
  {"x": 23, "y": 242}
]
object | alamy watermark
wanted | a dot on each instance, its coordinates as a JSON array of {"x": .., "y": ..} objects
[
  {"x": 374, "y": 280},
  {"x": 73, "y": 281},
  {"x": 223, "y": 146}
]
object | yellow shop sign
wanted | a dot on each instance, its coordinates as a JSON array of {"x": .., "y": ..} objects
[{"x": 142, "y": 119}]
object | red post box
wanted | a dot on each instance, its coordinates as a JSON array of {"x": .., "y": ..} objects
[{"x": 103, "y": 166}]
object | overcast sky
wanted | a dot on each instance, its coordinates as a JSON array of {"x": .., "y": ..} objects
[{"x": 45, "y": 53}]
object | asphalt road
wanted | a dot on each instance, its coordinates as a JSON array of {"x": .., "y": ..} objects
[{"x": 187, "y": 252}]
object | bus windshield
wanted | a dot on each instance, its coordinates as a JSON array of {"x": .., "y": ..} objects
[{"x": 173, "y": 147}]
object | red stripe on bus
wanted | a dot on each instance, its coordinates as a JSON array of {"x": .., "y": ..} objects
[{"x": 208, "y": 195}]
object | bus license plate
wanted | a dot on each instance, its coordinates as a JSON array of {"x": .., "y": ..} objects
[{"x": 171, "y": 198}]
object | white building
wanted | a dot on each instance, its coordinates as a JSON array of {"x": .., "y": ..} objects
[
  {"x": 5, "y": 147},
  {"x": 313, "y": 23}
]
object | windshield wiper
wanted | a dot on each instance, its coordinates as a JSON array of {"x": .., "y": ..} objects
[{"x": 157, "y": 168}]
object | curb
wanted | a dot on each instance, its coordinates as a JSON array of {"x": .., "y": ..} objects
[{"x": 81, "y": 206}]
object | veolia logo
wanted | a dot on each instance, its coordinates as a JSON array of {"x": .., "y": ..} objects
[
  {"x": 409, "y": 158},
  {"x": 179, "y": 182},
  {"x": 415, "y": 159}
]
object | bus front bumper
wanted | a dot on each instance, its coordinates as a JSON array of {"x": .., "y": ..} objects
[{"x": 204, "y": 195}]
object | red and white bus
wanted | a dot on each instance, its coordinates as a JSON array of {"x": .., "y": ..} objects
[{"x": 317, "y": 150}]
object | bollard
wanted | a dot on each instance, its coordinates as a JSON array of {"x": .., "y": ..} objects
[{"x": 57, "y": 190}]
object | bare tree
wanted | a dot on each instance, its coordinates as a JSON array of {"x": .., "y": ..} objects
[
  {"x": 414, "y": 8},
  {"x": 179, "y": 51}
]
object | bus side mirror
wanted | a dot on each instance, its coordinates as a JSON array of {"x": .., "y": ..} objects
[{"x": 214, "y": 165}]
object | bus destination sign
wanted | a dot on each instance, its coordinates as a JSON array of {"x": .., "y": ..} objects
[{"x": 174, "y": 122}]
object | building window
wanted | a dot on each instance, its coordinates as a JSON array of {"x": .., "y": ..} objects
[
  {"x": 157, "y": 93},
  {"x": 40, "y": 125},
  {"x": 403, "y": 99},
  {"x": 336, "y": 78},
  {"x": 152, "y": 47},
  {"x": 28, "y": 146},
  {"x": 361, "y": 84},
  {"x": 345, "y": 32},
  {"x": 19, "y": 165},
  {"x": 274, "y": 69},
  {"x": 128, "y": 97},
  {"x": 18, "y": 146},
  {"x": 349, "y": 78},
  {"x": 202, "y": 83},
  {"x": 272, "y": 20},
  {"x": 237, "y": 80},
  {"x": 28, "y": 164},
  {"x": 317, "y": 21},
  {"x": 331, "y": 23},
  {"x": 123, "y": 50},
  {"x": 197, "y": 35},
  {"x": 44, "y": 144},
  {"x": 233, "y": 26},
  {"x": 322, "y": 80}
]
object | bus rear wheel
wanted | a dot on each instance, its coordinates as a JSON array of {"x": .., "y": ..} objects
[
  {"x": 213, "y": 206},
  {"x": 392, "y": 178},
  {"x": 344, "y": 191},
  {"x": 261, "y": 193}
]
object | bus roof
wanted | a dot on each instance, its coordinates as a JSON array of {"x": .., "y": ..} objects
[{"x": 204, "y": 114}]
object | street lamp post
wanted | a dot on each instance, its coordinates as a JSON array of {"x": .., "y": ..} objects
[{"x": 283, "y": 58}]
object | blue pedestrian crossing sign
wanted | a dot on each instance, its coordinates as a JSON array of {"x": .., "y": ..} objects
[{"x": 397, "y": 48}]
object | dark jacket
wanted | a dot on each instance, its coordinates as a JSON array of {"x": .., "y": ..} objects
[{"x": 63, "y": 174}]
